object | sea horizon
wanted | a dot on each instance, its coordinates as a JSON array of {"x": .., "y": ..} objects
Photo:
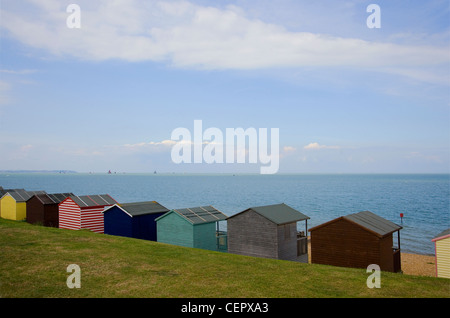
[{"x": 62, "y": 171}]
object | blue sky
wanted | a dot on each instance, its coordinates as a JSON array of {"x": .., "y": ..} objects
[{"x": 346, "y": 98}]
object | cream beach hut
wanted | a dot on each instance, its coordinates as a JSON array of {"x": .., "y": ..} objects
[{"x": 442, "y": 252}]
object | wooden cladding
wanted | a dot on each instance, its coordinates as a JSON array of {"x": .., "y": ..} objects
[{"x": 343, "y": 243}]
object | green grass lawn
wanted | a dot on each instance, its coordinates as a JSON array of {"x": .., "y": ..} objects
[{"x": 34, "y": 259}]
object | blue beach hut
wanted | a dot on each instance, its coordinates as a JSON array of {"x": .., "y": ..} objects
[{"x": 136, "y": 219}]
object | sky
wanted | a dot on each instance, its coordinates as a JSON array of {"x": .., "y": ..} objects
[{"x": 103, "y": 86}]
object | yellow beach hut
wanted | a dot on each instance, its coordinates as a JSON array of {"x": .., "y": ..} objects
[
  {"x": 2, "y": 193},
  {"x": 14, "y": 204},
  {"x": 442, "y": 252}
]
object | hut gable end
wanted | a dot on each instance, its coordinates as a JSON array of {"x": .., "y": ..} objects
[
  {"x": 174, "y": 229},
  {"x": 69, "y": 214},
  {"x": 252, "y": 234},
  {"x": 191, "y": 227},
  {"x": 343, "y": 243},
  {"x": 356, "y": 240},
  {"x": 84, "y": 212},
  {"x": 135, "y": 219},
  {"x": 35, "y": 210},
  {"x": 268, "y": 231}
]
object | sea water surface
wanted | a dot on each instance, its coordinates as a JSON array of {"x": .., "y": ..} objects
[{"x": 422, "y": 198}]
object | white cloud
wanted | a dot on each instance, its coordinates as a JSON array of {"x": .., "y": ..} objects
[
  {"x": 167, "y": 143},
  {"x": 151, "y": 147},
  {"x": 288, "y": 149},
  {"x": 189, "y": 35},
  {"x": 316, "y": 146}
]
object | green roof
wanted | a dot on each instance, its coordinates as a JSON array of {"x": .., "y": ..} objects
[{"x": 278, "y": 213}]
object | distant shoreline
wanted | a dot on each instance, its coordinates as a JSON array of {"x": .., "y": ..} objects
[
  {"x": 37, "y": 171},
  {"x": 220, "y": 173}
]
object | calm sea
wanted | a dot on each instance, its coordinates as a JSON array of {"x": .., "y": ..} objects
[{"x": 423, "y": 199}]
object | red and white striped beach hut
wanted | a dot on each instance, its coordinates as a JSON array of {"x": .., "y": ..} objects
[{"x": 84, "y": 212}]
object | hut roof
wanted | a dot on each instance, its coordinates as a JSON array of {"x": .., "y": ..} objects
[
  {"x": 278, "y": 213},
  {"x": 84, "y": 201},
  {"x": 443, "y": 234},
  {"x": 373, "y": 222},
  {"x": 52, "y": 198},
  {"x": 199, "y": 215},
  {"x": 21, "y": 195},
  {"x": 4, "y": 191},
  {"x": 369, "y": 221},
  {"x": 140, "y": 208}
]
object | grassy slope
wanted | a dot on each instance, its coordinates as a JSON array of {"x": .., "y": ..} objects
[{"x": 33, "y": 262}]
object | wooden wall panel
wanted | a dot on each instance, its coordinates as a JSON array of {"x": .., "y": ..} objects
[
  {"x": 342, "y": 243},
  {"x": 252, "y": 234}
]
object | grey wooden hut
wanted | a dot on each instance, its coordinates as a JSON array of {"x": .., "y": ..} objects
[{"x": 268, "y": 231}]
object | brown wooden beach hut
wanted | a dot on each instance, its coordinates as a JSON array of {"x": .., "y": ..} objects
[
  {"x": 43, "y": 208},
  {"x": 268, "y": 231},
  {"x": 356, "y": 240}
]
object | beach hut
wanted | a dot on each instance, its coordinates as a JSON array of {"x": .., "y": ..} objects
[
  {"x": 2, "y": 193},
  {"x": 268, "y": 231},
  {"x": 14, "y": 204},
  {"x": 442, "y": 253},
  {"x": 192, "y": 227},
  {"x": 84, "y": 212},
  {"x": 356, "y": 240},
  {"x": 43, "y": 208},
  {"x": 135, "y": 219}
]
